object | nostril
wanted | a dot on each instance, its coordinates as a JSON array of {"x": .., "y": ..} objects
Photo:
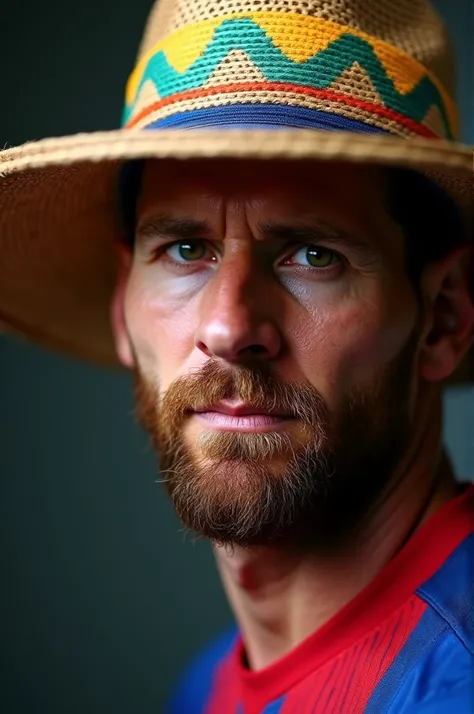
[
  {"x": 204, "y": 348},
  {"x": 255, "y": 349}
]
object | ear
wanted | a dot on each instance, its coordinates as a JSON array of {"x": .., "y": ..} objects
[
  {"x": 123, "y": 346},
  {"x": 450, "y": 315}
]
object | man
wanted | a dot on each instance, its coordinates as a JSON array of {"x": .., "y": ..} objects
[{"x": 291, "y": 295}]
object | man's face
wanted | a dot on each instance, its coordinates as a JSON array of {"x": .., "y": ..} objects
[{"x": 278, "y": 290}]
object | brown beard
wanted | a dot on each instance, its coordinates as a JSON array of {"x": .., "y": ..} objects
[{"x": 249, "y": 489}]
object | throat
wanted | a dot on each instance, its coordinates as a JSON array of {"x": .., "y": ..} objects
[{"x": 280, "y": 599}]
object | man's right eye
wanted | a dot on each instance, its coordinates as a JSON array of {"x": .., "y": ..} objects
[
  {"x": 182, "y": 253},
  {"x": 186, "y": 251}
]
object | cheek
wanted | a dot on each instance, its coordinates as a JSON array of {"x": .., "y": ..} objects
[
  {"x": 348, "y": 346},
  {"x": 370, "y": 344},
  {"x": 161, "y": 330}
]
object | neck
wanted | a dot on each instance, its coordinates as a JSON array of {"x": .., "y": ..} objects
[{"x": 280, "y": 598}]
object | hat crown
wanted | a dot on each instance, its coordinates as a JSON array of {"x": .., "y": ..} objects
[
  {"x": 411, "y": 25},
  {"x": 394, "y": 55}
]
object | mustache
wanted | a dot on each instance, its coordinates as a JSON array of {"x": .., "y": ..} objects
[
  {"x": 256, "y": 387},
  {"x": 213, "y": 383}
]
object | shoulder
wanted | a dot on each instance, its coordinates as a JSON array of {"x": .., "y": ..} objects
[
  {"x": 195, "y": 683},
  {"x": 440, "y": 683},
  {"x": 450, "y": 593},
  {"x": 434, "y": 671}
]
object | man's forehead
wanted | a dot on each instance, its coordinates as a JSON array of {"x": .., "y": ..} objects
[
  {"x": 249, "y": 179},
  {"x": 347, "y": 199}
]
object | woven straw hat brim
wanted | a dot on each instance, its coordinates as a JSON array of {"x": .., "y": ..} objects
[{"x": 59, "y": 218}]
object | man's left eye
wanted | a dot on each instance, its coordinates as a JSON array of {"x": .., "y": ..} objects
[{"x": 316, "y": 256}]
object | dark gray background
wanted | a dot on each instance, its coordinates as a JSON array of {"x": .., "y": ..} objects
[{"x": 103, "y": 599}]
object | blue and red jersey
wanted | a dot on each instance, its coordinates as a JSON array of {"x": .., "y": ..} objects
[{"x": 403, "y": 645}]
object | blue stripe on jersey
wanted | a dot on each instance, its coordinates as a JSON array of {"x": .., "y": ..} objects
[
  {"x": 440, "y": 682},
  {"x": 192, "y": 691},
  {"x": 275, "y": 707},
  {"x": 451, "y": 592},
  {"x": 434, "y": 672},
  {"x": 430, "y": 628}
]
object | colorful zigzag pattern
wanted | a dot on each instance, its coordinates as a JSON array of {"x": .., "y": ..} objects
[{"x": 314, "y": 56}]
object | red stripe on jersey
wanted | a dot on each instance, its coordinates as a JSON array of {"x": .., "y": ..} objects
[
  {"x": 346, "y": 683},
  {"x": 226, "y": 691}
]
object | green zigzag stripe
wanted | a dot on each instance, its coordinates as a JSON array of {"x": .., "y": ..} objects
[{"x": 318, "y": 72}]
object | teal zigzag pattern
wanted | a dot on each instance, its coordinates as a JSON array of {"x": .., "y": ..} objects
[{"x": 318, "y": 72}]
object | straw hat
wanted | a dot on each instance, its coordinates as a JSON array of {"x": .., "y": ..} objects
[{"x": 368, "y": 81}]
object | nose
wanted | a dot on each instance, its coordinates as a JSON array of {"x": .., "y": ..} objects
[{"x": 237, "y": 317}]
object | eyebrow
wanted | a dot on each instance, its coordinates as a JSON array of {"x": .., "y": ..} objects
[
  {"x": 178, "y": 228},
  {"x": 310, "y": 231}
]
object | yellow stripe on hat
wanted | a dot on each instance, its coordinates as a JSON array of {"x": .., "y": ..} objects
[{"x": 299, "y": 37}]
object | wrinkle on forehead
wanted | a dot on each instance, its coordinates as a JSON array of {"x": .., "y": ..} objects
[
  {"x": 241, "y": 179},
  {"x": 229, "y": 192}
]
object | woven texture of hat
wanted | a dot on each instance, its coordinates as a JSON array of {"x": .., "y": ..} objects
[{"x": 382, "y": 63}]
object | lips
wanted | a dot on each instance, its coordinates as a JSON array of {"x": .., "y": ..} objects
[
  {"x": 226, "y": 416},
  {"x": 240, "y": 409}
]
